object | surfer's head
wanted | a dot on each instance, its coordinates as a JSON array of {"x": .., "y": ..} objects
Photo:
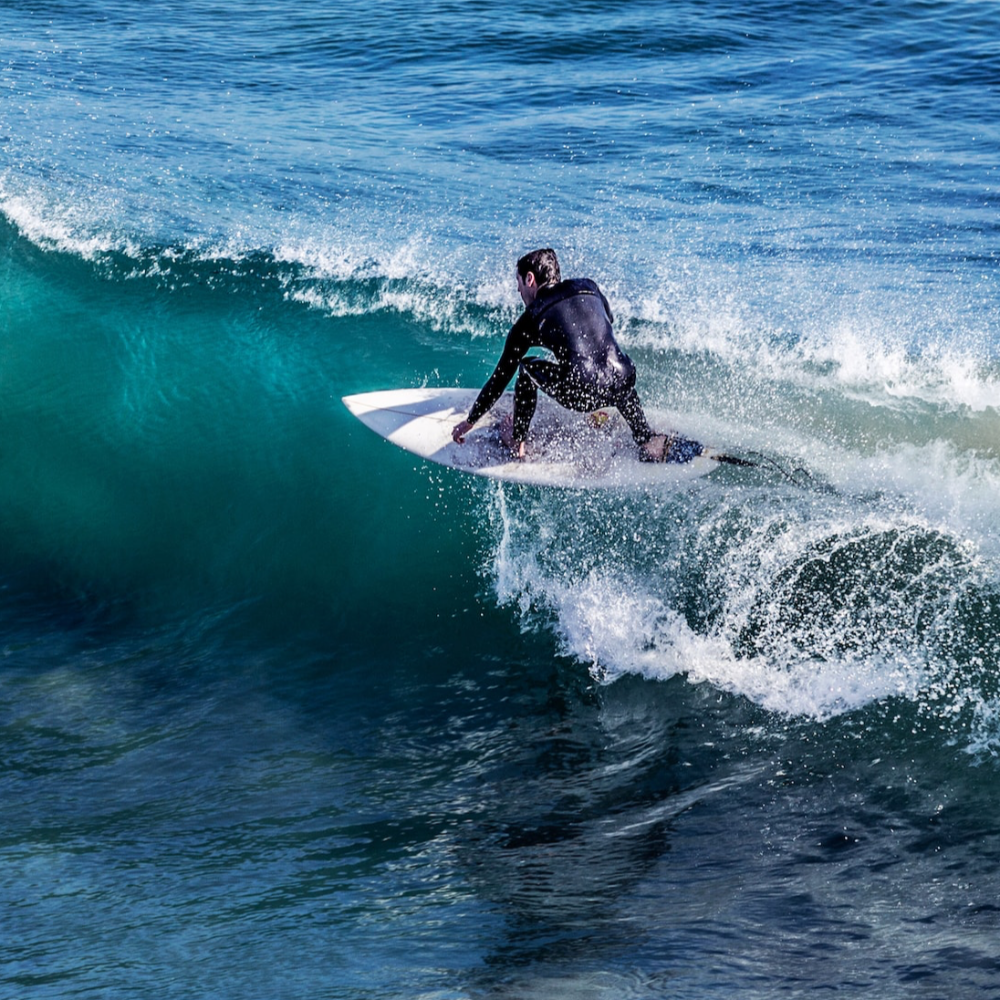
[{"x": 535, "y": 269}]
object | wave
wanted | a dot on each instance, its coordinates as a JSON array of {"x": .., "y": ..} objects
[
  {"x": 806, "y": 374},
  {"x": 816, "y": 323},
  {"x": 145, "y": 372}
]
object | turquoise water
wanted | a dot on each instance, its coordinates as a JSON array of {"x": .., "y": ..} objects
[{"x": 285, "y": 712}]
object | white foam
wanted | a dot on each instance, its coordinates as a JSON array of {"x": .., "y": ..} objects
[
  {"x": 56, "y": 227},
  {"x": 327, "y": 256},
  {"x": 617, "y": 628},
  {"x": 950, "y": 489},
  {"x": 799, "y": 327},
  {"x": 857, "y": 639}
]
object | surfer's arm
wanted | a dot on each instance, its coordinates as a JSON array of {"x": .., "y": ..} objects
[{"x": 513, "y": 351}]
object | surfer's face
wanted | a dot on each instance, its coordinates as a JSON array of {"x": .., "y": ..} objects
[{"x": 527, "y": 288}]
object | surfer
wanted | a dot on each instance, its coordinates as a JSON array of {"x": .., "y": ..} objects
[{"x": 572, "y": 319}]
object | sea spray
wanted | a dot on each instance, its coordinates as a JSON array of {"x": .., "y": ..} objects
[{"x": 809, "y": 603}]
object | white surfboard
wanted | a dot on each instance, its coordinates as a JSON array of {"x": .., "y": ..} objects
[{"x": 563, "y": 448}]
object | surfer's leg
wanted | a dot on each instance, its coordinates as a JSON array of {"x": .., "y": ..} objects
[
  {"x": 630, "y": 408},
  {"x": 564, "y": 385},
  {"x": 525, "y": 401},
  {"x": 506, "y": 428},
  {"x": 653, "y": 447},
  {"x": 670, "y": 448},
  {"x": 535, "y": 374}
]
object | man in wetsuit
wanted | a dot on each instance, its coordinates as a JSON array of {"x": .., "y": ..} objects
[{"x": 572, "y": 319}]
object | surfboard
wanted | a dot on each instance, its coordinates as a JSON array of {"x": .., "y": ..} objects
[{"x": 564, "y": 448}]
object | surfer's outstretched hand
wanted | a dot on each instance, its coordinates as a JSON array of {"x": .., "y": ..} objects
[{"x": 460, "y": 430}]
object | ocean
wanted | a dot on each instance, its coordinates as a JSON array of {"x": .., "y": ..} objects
[{"x": 286, "y": 712}]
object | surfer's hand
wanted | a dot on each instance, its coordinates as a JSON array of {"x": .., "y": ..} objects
[{"x": 460, "y": 430}]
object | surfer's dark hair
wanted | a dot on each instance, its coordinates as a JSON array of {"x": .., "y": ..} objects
[{"x": 543, "y": 264}]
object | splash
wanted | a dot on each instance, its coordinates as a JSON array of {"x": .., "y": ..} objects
[{"x": 808, "y": 603}]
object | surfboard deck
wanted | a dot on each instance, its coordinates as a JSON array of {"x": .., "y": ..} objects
[{"x": 564, "y": 448}]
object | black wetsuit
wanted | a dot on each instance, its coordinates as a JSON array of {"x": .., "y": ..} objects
[{"x": 572, "y": 320}]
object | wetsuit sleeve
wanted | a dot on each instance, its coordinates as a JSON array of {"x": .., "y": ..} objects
[{"x": 513, "y": 351}]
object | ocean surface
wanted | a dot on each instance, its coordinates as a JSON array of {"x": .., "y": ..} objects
[{"x": 287, "y": 713}]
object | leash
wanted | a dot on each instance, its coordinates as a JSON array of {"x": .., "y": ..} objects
[{"x": 796, "y": 475}]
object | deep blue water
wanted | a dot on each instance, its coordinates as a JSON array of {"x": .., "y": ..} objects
[{"x": 286, "y": 713}]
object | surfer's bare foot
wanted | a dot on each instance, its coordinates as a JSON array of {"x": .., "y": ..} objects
[{"x": 656, "y": 448}]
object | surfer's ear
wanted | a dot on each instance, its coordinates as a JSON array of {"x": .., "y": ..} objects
[{"x": 527, "y": 287}]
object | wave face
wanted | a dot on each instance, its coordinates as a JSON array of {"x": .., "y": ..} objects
[
  {"x": 174, "y": 417},
  {"x": 321, "y": 708}
]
